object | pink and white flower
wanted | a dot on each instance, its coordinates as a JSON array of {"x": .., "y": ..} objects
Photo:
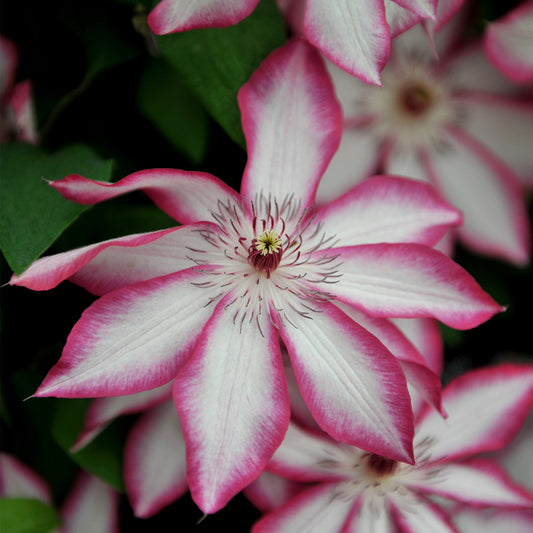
[
  {"x": 456, "y": 123},
  {"x": 17, "y": 116},
  {"x": 356, "y": 35},
  {"x": 509, "y": 43},
  {"x": 91, "y": 505},
  {"x": 360, "y": 491},
  {"x": 206, "y": 304}
]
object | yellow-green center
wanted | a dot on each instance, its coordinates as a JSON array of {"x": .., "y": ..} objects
[{"x": 268, "y": 243}]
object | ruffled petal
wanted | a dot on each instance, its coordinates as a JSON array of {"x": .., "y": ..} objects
[
  {"x": 171, "y": 16},
  {"x": 233, "y": 403},
  {"x": 352, "y": 384},
  {"x": 186, "y": 196},
  {"x": 317, "y": 510},
  {"x": 155, "y": 471},
  {"x": 474, "y": 180},
  {"x": 486, "y": 409},
  {"x": 389, "y": 209},
  {"x": 292, "y": 123},
  {"x": 355, "y": 36},
  {"x": 132, "y": 339},
  {"x": 91, "y": 505},
  {"x": 478, "y": 482},
  {"x": 103, "y": 411},
  {"x": 409, "y": 281}
]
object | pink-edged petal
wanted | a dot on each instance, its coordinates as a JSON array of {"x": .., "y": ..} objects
[
  {"x": 389, "y": 209},
  {"x": 416, "y": 514},
  {"x": 478, "y": 482},
  {"x": 509, "y": 43},
  {"x": 270, "y": 491},
  {"x": 47, "y": 272},
  {"x": 103, "y": 411},
  {"x": 486, "y": 409},
  {"x": 354, "y": 35},
  {"x": 424, "y": 8},
  {"x": 233, "y": 403},
  {"x": 505, "y": 126},
  {"x": 304, "y": 456},
  {"x": 370, "y": 514},
  {"x": 186, "y": 196},
  {"x": 155, "y": 471},
  {"x": 19, "y": 481},
  {"x": 426, "y": 335},
  {"x": 469, "y": 69},
  {"x": 426, "y": 383},
  {"x": 405, "y": 163},
  {"x": 91, "y": 505},
  {"x": 474, "y": 180},
  {"x": 446, "y": 11},
  {"x": 132, "y": 339},
  {"x": 116, "y": 267},
  {"x": 317, "y": 510},
  {"x": 171, "y": 16},
  {"x": 299, "y": 411},
  {"x": 470, "y": 520},
  {"x": 516, "y": 457},
  {"x": 399, "y": 19},
  {"x": 352, "y": 384},
  {"x": 292, "y": 123},
  {"x": 409, "y": 281},
  {"x": 356, "y": 159}
]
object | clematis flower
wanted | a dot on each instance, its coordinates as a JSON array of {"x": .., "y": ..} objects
[
  {"x": 456, "y": 123},
  {"x": 206, "y": 304},
  {"x": 354, "y": 34},
  {"x": 509, "y": 43},
  {"x": 91, "y": 505},
  {"x": 360, "y": 491},
  {"x": 17, "y": 116}
]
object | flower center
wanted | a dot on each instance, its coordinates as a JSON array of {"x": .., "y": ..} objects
[
  {"x": 265, "y": 252},
  {"x": 380, "y": 466},
  {"x": 416, "y": 99}
]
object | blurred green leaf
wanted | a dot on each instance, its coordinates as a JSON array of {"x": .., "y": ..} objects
[
  {"x": 32, "y": 214},
  {"x": 25, "y": 515},
  {"x": 174, "y": 109},
  {"x": 216, "y": 62},
  {"x": 103, "y": 456}
]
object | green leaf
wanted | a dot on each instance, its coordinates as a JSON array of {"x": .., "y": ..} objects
[
  {"x": 25, "y": 515},
  {"x": 32, "y": 214},
  {"x": 174, "y": 109},
  {"x": 216, "y": 62},
  {"x": 103, "y": 456}
]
